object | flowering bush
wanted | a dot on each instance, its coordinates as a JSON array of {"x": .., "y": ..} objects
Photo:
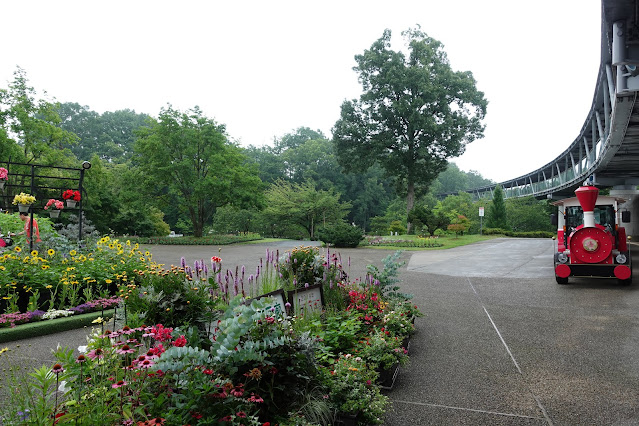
[
  {"x": 23, "y": 198},
  {"x": 70, "y": 194},
  {"x": 4, "y": 174},
  {"x": 65, "y": 279},
  {"x": 219, "y": 359},
  {"x": 352, "y": 389},
  {"x": 382, "y": 350},
  {"x": 54, "y": 204}
]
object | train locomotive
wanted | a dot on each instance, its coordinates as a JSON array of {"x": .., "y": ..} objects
[{"x": 590, "y": 242}]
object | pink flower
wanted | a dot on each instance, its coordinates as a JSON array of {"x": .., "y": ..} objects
[
  {"x": 96, "y": 353},
  {"x": 3, "y": 173},
  {"x": 125, "y": 350},
  {"x": 255, "y": 398},
  {"x": 119, "y": 384}
]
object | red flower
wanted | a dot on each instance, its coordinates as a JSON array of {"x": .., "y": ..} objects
[{"x": 180, "y": 341}]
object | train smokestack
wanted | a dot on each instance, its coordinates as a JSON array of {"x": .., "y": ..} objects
[{"x": 587, "y": 196}]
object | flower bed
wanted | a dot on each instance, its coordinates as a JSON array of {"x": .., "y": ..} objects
[
  {"x": 60, "y": 280},
  {"x": 378, "y": 241},
  {"x": 217, "y": 356}
]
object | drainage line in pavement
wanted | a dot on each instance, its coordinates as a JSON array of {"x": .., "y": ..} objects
[
  {"x": 512, "y": 357},
  {"x": 495, "y": 413}
]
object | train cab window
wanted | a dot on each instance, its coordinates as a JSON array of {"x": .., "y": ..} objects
[{"x": 604, "y": 216}]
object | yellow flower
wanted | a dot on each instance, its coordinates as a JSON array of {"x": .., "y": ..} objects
[
  {"x": 3, "y": 350},
  {"x": 45, "y": 266},
  {"x": 73, "y": 252},
  {"x": 128, "y": 243},
  {"x": 98, "y": 320},
  {"x": 18, "y": 249},
  {"x": 34, "y": 253},
  {"x": 49, "y": 286},
  {"x": 51, "y": 252},
  {"x": 108, "y": 281}
]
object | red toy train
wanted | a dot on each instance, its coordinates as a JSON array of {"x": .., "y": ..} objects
[{"x": 590, "y": 242}]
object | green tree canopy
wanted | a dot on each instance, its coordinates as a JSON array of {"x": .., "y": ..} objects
[
  {"x": 303, "y": 205},
  {"x": 31, "y": 126},
  {"x": 191, "y": 162},
  {"x": 415, "y": 113},
  {"x": 111, "y": 135}
]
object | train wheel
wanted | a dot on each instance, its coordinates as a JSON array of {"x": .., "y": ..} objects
[{"x": 561, "y": 280}]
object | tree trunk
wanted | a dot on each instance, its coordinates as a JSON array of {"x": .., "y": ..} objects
[{"x": 410, "y": 202}]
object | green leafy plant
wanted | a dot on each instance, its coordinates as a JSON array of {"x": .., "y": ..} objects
[{"x": 340, "y": 234}]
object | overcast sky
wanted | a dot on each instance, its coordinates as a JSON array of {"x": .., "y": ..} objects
[{"x": 265, "y": 68}]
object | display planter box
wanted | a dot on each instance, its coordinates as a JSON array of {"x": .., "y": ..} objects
[
  {"x": 406, "y": 344},
  {"x": 346, "y": 419},
  {"x": 387, "y": 377}
]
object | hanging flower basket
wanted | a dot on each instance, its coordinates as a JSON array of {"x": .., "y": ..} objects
[
  {"x": 4, "y": 175},
  {"x": 54, "y": 214},
  {"x": 72, "y": 197},
  {"x": 23, "y": 201}
]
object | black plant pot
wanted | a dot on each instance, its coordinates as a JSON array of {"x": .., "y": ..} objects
[
  {"x": 346, "y": 419},
  {"x": 387, "y": 377}
]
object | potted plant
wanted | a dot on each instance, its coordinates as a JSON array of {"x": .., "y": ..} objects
[
  {"x": 353, "y": 393},
  {"x": 4, "y": 175},
  {"x": 72, "y": 197},
  {"x": 55, "y": 207},
  {"x": 24, "y": 201},
  {"x": 385, "y": 353}
]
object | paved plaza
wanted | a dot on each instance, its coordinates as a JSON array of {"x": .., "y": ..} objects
[{"x": 501, "y": 342}]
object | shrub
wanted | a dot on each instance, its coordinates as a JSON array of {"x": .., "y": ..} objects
[
  {"x": 397, "y": 226},
  {"x": 340, "y": 235}
]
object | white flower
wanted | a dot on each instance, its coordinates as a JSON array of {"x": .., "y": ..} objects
[
  {"x": 82, "y": 349},
  {"x": 62, "y": 387}
]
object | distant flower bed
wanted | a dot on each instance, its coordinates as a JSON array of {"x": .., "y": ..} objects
[
  {"x": 205, "y": 240},
  {"x": 398, "y": 242}
]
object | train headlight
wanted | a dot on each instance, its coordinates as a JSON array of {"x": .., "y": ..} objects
[
  {"x": 562, "y": 257},
  {"x": 621, "y": 258}
]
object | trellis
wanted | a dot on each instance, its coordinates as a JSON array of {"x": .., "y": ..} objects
[{"x": 34, "y": 179}]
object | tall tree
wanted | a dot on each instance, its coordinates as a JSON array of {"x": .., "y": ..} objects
[
  {"x": 497, "y": 211},
  {"x": 33, "y": 124},
  {"x": 191, "y": 162},
  {"x": 414, "y": 113}
]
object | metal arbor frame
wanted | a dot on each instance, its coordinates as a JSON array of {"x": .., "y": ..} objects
[{"x": 34, "y": 172}]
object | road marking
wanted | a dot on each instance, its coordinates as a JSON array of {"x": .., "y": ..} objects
[
  {"x": 474, "y": 410},
  {"x": 512, "y": 357}
]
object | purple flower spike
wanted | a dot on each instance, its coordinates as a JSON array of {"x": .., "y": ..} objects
[{"x": 183, "y": 262}]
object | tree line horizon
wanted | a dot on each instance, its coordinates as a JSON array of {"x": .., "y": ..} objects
[{"x": 386, "y": 161}]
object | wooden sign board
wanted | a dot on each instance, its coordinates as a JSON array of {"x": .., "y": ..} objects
[
  {"x": 278, "y": 307},
  {"x": 309, "y": 299}
]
